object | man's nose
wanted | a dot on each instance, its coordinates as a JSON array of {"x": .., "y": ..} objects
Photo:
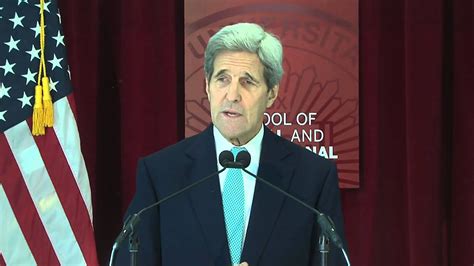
[{"x": 233, "y": 92}]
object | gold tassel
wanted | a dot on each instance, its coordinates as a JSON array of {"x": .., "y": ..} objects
[
  {"x": 38, "y": 123},
  {"x": 48, "y": 104}
]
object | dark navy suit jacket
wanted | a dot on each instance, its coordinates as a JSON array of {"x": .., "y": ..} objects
[{"x": 190, "y": 229}]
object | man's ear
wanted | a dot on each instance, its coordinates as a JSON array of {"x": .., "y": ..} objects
[
  {"x": 207, "y": 90},
  {"x": 272, "y": 95}
]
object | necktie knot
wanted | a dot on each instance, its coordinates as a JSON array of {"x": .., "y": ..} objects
[{"x": 236, "y": 150}]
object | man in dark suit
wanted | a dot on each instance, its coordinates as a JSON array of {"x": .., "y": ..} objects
[{"x": 232, "y": 218}]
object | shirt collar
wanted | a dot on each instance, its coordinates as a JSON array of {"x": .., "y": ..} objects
[{"x": 253, "y": 146}]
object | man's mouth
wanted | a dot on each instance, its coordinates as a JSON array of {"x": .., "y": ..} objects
[{"x": 231, "y": 113}]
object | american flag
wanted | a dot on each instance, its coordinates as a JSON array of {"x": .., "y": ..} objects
[{"x": 45, "y": 197}]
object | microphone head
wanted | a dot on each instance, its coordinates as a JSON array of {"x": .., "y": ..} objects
[
  {"x": 243, "y": 159},
  {"x": 226, "y": 158}
]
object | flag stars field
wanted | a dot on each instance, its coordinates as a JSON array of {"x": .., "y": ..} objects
[
  {"x": 4, "y": 91},
  {"x": 59, "y": 39},
  {"x": 34, "y": 53},
  {"x": 52, "y": 85},
  {"x": 7, "y": 67},
  {"x": 37, "y": 29},
  {"x": 29, "y": 76},
  {"x": 2, "y": 115},
  {"x": 12, "y": 44},
  {"x": 55, "y": 62},
  {"x": 25, "y": 100},
  {"x": 17, "y": 20},
  {"x": 46, "y": 6}
]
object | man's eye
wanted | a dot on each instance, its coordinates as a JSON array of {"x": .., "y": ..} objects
[
  {"x": 248, "y": 82},
  {"x": 222, "y": 79}
]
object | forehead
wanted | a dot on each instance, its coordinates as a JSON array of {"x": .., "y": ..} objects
[{"x": 238, "y": 62}]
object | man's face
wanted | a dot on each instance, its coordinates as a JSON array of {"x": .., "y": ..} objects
[{"x": 238, "y": 95}]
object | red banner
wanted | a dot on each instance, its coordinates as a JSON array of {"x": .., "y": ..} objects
[{"x": 318, "y": 102}]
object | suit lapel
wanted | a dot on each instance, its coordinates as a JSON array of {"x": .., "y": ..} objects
[
  {"x": 276, "y": 166},
  {"x": 206, "y": 198}
]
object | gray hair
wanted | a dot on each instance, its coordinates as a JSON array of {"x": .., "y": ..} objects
[{"x": 251, "y": 38}]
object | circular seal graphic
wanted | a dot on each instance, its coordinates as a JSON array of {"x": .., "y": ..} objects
[{"x": 318, "y": 102}]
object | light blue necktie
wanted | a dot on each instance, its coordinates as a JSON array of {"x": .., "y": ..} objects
[{"x": 234, "y": 203}]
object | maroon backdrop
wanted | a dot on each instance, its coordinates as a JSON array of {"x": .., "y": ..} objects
[{"x": 414, "y": 205}]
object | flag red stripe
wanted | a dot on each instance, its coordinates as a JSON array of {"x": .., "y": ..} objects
[
  {"x": 2, "y": 261},
  {"x": 68, "y": 193},
  {"x": 72, "y": 103},
  {"x": 24, "y": 208}
]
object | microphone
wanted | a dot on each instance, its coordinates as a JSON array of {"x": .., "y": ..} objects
[
  {"x": 226, "y": 159},
  {"x": 325, "y": 223},
  {"x": 128, "y": 230},
  {"x": 243, "y": 159}
]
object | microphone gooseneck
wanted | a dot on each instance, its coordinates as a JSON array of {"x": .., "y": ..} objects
[
  {"x": 129, "y": 228},
  {"x": 326, "y": 224}
]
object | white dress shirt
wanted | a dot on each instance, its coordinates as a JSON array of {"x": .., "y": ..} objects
[{"x": 254, "y": 146}]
